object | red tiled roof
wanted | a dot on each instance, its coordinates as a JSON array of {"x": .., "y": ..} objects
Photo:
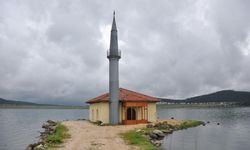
[{"x": 125, "y": 95}]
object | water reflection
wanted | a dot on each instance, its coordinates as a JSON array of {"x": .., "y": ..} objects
[
  {"x": 20, "y": 127},
  {"x": 232, "y": 133}
]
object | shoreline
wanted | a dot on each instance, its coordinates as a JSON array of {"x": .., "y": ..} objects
[
  {"x": 86, "y": 135},
  {"x": 40, "y": 107},
  {"x": 169, "y": 106},
  {"x": 50, "y": 128},
  {"x": 172, "y": 106}
]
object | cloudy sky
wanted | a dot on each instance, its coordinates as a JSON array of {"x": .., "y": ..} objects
[{"x": 54, "y": 51}]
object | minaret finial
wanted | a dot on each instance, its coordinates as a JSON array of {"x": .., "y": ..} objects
[{"x": 114, "y": 24}]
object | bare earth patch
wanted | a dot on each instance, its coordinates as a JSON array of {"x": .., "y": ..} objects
[{"x": 86, "y": 136}]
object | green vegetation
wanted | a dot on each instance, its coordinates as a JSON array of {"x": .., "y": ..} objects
[
  {"x": 138, "y": 139},
  {"x": 189, "y": 124},
  {"x": 61, "y": 133},
  {"x": 183, "y": 125}
]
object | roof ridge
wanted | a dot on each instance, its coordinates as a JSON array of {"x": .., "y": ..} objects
[
  {"x": 138, "y": 93},
  {"x": 125, "y": 95}
]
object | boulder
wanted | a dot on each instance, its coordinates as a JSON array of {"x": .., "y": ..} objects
[
  {"x": 156, "y": 143},
  {"x": 30, "y": 147},
  {"x": 157, "y": 132},
  {"x": 45, "y": 126},
  {"x": 153, "y": 136},
  {"x": 150, "y": 125},
  {"x": 40, "y": 147},
  {"x": 165, "y": 122},
  {"x": 163, "y": 126},
  {"x": 51, "y": 123},
  {"x": 41, "y": 140},
  {"x": 170, "y": 131},
  {"x": 160, "y": 135}
]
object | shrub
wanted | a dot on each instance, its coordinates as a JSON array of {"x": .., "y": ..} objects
[
  {"x": 138, "y": 139},
  {"x": 59, "y": 134}
]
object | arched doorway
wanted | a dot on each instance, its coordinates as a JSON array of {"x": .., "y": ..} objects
[{"x": 131, "y": 113}]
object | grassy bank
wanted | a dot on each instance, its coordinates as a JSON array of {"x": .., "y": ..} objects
[
  {"x": 141, "y": 138},
  {"x": 188, "y": 124},
  {"x": 56, "y": 138},
  {"x": 138, "y": 139}
]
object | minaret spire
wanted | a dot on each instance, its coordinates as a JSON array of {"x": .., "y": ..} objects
[
  {"x": 113, "y": 50},
  {"x": 114, "y": 56},
  {"x": 114, "y": 23}
]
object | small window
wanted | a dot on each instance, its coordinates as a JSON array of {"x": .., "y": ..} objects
[
  {"x": 97, "y": 114},
  {"x": 93, "y": 113}
]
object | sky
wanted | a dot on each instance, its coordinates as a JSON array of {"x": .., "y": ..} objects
[{"x": 54, "y": 51}]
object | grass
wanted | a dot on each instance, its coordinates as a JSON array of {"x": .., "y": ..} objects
[
  {"x": 56, "y": 138},
  {"x": 189, "y": 124},
  {"x": 138, "y": 139},
  {"x": 183, "y": 125}
]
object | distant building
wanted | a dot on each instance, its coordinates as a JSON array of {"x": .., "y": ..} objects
[{"x": 121, "y": 106}]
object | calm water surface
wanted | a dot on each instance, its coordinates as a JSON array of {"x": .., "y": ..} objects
[
  {"x": 20, "y": 127},
  {"x": 233, "y": 133}
]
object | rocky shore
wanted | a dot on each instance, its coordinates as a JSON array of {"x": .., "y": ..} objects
[
  {"x": 160, "y": 130},
  {"x": 109, "y": 137},
  {"x": 49, "y": 128},
  {"x": 155, "y": 132}
]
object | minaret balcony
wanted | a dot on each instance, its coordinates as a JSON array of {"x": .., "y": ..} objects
[{"x": 115, "y": 55}]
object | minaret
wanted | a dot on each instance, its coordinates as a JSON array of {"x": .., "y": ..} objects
[{"x": 114, "y": 55}]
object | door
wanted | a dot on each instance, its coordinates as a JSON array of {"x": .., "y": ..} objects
[{"x": 131, "y": 113}]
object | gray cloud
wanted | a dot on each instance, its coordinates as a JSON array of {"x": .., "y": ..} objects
[{"x": 55, "y": 51}]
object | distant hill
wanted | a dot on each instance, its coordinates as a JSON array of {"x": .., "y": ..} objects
[
  {"x": 11, "y": 102},
  {"x": 220, "y": 96},
  {"x": 171, "y": 100}
]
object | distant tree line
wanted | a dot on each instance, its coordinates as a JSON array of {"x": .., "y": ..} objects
[{"x": 239, "y": 97}]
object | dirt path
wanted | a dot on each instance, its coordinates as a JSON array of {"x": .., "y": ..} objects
[{"x": 86, "y": 136}]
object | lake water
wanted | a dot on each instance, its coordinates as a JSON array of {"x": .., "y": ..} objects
[
  {"x": 20, "y": 127},
  {"x": 233, "y": 133}
]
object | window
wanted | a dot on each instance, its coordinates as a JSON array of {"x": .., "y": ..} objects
[
  {"x": 97, "y": 114},
  {"x": 92, "y": 116}
]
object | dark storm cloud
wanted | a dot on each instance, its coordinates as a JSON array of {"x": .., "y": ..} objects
[{"x": 55, "y": 51}]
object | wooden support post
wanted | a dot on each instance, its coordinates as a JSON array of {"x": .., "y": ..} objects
[
  {"x": 121, "y": 113},
  {"x": 141, "y": 113}
]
